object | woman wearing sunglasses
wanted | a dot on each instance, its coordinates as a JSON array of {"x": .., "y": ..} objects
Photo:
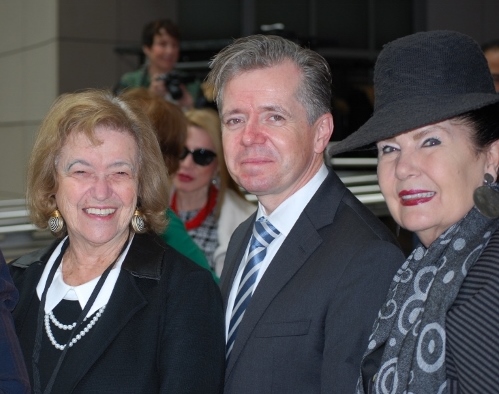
[
  {"x": 170, "y": 125},
  {"x": 206, "y": 198}
]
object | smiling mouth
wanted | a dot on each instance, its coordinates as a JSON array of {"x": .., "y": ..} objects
[
  {"x": 100, "y": 212},
  {"x": 417, "y": 196},
  {"x": 408, "y": 199}
]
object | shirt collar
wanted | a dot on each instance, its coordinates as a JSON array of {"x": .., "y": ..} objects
[
  {"x": 59, "y": 290},
  {"x": 284, "y": 217}
]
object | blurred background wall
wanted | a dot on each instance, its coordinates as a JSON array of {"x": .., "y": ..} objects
[{"x": 50, "y": 47}]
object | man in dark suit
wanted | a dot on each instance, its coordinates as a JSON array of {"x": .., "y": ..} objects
[
  {"x": 304, "y": 278},
  {"x": 13, "y": 375}
]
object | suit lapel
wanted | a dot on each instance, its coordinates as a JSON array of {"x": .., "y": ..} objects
[
  {"x": 291, "y": 256},
  {"x": 234, "y": 256},
  {"x": 301, "y": 242}
]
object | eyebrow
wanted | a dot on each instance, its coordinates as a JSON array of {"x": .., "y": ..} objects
[
  {"x": 87, "y": 164},
  {"x": 427, "y": 130},
  {"x": 74, "y": 162},
  {"x": 231, "y": 112},
  {"x": 263, "y": 108},
  {"x": 276, "y": 108},
  {"x": 420, "y": 134}
]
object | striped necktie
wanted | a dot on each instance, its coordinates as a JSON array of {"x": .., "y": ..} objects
[{"x": 263, "y": 234}]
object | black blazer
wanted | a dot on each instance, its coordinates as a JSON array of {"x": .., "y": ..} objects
[
  {"x": 310, "y": 317},
  {"x": 161, "y": 332}
]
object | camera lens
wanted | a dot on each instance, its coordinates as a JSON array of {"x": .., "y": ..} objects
[{"x": 172, "y": 84}]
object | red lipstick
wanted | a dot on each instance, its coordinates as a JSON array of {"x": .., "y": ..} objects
[{"x": 415, "y": 197}]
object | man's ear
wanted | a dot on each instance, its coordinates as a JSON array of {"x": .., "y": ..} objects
[{"x": 323, "y": 131}]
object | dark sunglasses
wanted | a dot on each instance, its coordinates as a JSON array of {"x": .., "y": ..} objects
[{"x": 202, "y": 157}]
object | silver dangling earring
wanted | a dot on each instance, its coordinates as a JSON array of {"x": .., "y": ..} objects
[
  {"x": 486, "y": 198},
  {"x": 56, "y": 222},
  {"x": 138, "y": 223},
  {"x": 216, "y": 181}
]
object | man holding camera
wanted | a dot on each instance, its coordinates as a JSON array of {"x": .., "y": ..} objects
[{"x": 160, "y": 43}]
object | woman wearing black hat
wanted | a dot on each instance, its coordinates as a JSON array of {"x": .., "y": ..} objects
[{"x": 436, "y": 129}]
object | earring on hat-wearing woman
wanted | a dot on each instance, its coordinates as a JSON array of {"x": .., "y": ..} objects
[
  {"x": 56, "y": 222},
  {"x": 138, "y": 222},
  {"x": 486, "y": 197}
]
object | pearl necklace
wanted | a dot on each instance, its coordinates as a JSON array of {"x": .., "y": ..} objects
[{"x": 49, "y": 317}]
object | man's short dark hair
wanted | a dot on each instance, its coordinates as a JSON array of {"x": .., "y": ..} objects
[{"x": 154, "y": 28}]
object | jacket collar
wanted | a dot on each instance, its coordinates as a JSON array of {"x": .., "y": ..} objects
[{"x": 142, "y": 260}]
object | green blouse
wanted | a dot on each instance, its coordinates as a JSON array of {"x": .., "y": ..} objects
[{"x": 177, "y": 237}]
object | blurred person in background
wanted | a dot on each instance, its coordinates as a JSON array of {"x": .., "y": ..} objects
[
  {"x": 170, "y": 125},
  {"x": 205, "y": 197},
  {"x": 161, "y": 47},
  {"x": 109, "y": 307}
]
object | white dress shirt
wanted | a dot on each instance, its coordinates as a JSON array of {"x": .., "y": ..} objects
[{"x": 283, "y": 218}]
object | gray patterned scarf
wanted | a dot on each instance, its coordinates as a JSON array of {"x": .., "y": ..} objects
[{"x": 411, "y": 323}]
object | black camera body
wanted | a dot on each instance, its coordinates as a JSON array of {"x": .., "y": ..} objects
[{"x": 172, "y": 82}]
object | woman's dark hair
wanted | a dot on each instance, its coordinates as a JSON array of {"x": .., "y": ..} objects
[
  {"x": 487, "y": 46},
  {"x": 154, "y": 28},
  {"x": 485, "y": 124}
]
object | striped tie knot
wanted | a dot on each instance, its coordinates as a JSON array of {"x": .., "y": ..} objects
[{"x": 263, "y": 234}]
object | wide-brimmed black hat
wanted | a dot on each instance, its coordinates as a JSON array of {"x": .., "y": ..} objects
[{"x": 421, "y": 79}]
